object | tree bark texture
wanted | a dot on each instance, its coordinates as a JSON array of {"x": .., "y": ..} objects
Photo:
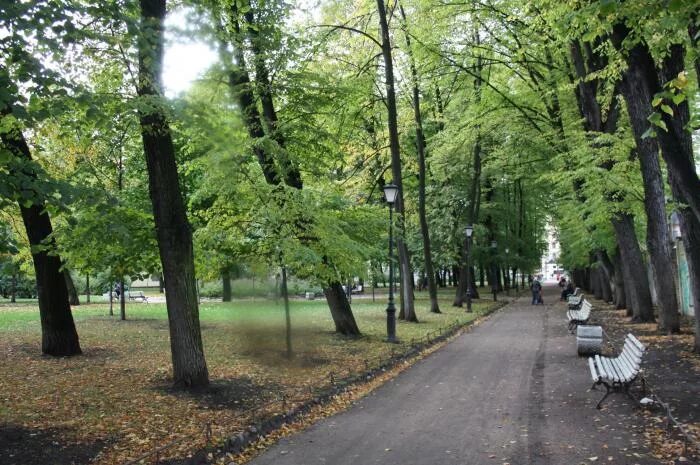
[
  {"x": 638, "y": 92},
  {"x": 620, "y": 298},
  {"x": 607, "y": 275},
  {"x": 340, "y": 309},
  {"x": 420, "y": 149},
  {"x": 172, "y": 228},
  {"x": 634, "y": 269},
  {"x": 690, "y": 231},
  {"x": 226, "y": 286},
  {"x": 73, "y": 298},
  {"x": 407, "y": 311},
  {"x": 58, "y": 334},
  {"x": 676, "y": 143},
  {"x": 122, "y": 301},
  {"x": 587, "y": 94}
]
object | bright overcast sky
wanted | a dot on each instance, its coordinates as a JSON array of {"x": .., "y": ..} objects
[{"x": 185, "y": 58}]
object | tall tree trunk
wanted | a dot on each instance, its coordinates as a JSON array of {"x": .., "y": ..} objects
[
  {"x": 172, "y": 228},
  {"x": 607, "y": 275},
  {"x": 73, "y": 298},
  {"x": 122, "y": 300},
  {"x": 340, "y": 309},
  {"x": 620, "y": 281},
  {"x": 87, "y": 287},
  {"x": 420, "y": 148},
  {"x": 241, "y": 88},
  {"x": 226, "y": 279},
  {"x": 638, "y": 90},
  {"x": 13, "y": 288},
  {"x": 636, "y": 283},
  {"x": 58, "y": 334},
  {"x": 690, "y": 228},
  {"x": 639, "y": 301},
  {"x": 407, "y": 312}
]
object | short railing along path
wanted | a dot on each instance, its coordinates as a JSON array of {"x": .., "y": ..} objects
[{"x": 509, "y": 391}]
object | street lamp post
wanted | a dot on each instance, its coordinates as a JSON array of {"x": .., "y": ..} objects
[
  {"x": 468, "y": 231},
  {"x": 390, "y": 192},
  {"x": 494, "y": 271}
]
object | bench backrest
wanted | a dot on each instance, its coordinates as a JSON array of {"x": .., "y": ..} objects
[{"x": 632, "y": 352}]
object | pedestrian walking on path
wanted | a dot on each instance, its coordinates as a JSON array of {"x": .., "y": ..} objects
[{"x": 536, "y": 288}]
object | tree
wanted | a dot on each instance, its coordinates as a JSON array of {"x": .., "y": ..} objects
[
  {"x": 407, "y": 312},
  {"x": 172, "y": 228}
]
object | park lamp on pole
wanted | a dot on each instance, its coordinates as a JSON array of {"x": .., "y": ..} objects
[
  {"x": 391, "y": 190},
  {"x": 468, "y": 231}
]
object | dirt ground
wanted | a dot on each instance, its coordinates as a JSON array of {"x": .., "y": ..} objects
[{"x": 672, "y": 374}]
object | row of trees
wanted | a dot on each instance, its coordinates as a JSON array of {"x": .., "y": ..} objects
[{"x": 492, "y": 114}]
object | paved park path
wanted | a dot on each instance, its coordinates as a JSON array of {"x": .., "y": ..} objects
[{"x": 512, "y": 391}]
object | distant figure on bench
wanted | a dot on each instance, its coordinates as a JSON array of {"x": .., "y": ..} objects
[
  {"x": 568, "y": 290},
  {"x": 536, "y": 288}
]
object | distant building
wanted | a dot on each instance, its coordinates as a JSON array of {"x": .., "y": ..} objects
[{"x": 550, "y": 269}]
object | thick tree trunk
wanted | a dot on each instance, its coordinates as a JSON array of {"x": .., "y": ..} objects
[
  {"x": 620, "y": 285},
  {"x": 607, "y": 275},
  {"x": 638, "y": 91},
  {"x": 87, "y": 288},
  {"x": 340, "y": 309},
  {"x": 172, "y": 228},
  {"x": 690, "y": 231},
  {"x": 634, "y": 269},
  {"x": 122, "y": 301},
  {"x": 73, "y": 298},
  {"x": 407, "y": 312},
  {"x": 676, "y": 142},
  {"x": 420, "y": 148},
  {"x": 58, "y": 334},
  {"x": 13, "y": 289},
  {"x": 226, "y": 291}
]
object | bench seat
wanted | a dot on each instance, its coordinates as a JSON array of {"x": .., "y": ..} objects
[
  {"x": 579, "y": 317},
  {"x": 617, "y": 373},
  {"x": 575, "y": 301},
  {"x": 137, "y": 296}
]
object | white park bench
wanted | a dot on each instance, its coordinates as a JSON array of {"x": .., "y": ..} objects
[
  {"x": 580, "y": 316},
  {"x": 137, "y": 296},
  {"x": 575, "y": 301},
  {"x": 617, "y": 373}
]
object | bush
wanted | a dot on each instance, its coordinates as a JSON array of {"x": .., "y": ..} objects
[
  {"x": 212, "y": 290},
  {"x": 25, "y": 288}
]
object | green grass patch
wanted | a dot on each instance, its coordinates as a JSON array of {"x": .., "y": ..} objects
[{"x": 118, "y": 390}]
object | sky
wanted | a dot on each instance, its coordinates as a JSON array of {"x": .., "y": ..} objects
[{"x": 185, "y": 59}]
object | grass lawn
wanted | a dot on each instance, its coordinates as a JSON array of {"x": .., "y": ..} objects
[{"x": 115, "y": 402}]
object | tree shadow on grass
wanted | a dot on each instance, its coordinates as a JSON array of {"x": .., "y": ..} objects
[
  {"x": 241, "y": 393},
  {"x": 23, "y": 446}
]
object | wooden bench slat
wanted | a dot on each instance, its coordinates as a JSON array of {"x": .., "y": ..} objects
[
  {"x": 594, "y": 372},
  {"x": 612, "y": 374},
  {"x": 636, "y": 342},
  {"x": 601, "y": 367},
  {"x": 625, "y": 371}
]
